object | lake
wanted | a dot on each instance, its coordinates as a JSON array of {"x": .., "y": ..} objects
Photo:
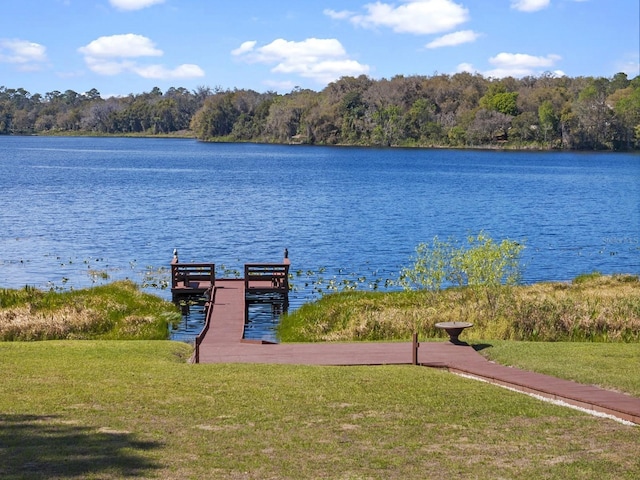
[{"x": 79, "y": 211}]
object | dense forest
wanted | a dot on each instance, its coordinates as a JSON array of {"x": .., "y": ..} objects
[{"x": 461, "y": 110}]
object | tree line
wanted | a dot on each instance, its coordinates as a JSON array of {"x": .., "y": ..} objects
[{"x": 461, "y": 110}]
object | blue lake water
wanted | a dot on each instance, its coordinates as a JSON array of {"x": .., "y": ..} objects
[{"x": 76, "y": 210}]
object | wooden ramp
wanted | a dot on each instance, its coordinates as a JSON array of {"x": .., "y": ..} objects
[
  {"x": 467, "y": 361},
  {"x": 222, "y": 342}
]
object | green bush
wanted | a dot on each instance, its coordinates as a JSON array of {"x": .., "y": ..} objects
[{"x": 482, "y": 263}]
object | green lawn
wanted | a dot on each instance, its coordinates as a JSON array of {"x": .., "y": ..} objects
[
  {"x": 118, "y": 409},
  {"x": 612, "y": 366}
]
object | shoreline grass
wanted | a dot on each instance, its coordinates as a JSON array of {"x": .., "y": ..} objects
[
  {"x": 117, "y": 409},
  {"x": 591, "y": 308},
  {"x": 118, "y": 310}
]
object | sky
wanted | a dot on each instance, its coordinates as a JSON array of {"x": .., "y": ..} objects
[{"x": 121, "y": 47}]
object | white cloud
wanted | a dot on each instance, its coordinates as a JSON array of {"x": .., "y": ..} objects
[
  {"x": 466, "y": 67},
  {"x": 516, "y": 65},
  {"x": 22, "y": 52},
  {"x": 453, "y": 39},
  {"x": 523, "y": 60},
  {"x": 342, "y": 15},
  {"x": 322, "y": 60},
  {"x": 419, "y": 17},
  {"x": 106, "y": 67},
  {"x": 285, "y": 86},
  {"x": 128, "y": 45},
  {"x": 246, "y": 47},
  {"x": 117, "y": 54},
  {"x": 160, "y": 72},
  {"x": 133, "y": 4},
  {"x": 520, "y": 64},
  {"x": 530, "y": 5}
]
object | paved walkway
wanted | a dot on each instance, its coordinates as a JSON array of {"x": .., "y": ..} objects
[{"x": 223, "y": 344}]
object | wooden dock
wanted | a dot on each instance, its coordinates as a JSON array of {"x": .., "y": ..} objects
[
  {"x": 261, "y": 280},
  {"x": 221, "y": 341},
  {"x": 226, "y": 300}
]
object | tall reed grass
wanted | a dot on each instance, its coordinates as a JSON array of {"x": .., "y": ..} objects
[
  {"x": 591, "y": 308},
  {"x": 115, "y": 311}
]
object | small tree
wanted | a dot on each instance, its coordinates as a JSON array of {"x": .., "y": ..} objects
[
  {"x": 483, "y": 265},
  {"x": 548, "y": 119}
]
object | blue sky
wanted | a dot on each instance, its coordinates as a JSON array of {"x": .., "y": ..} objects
[{"x": 130, "y": 46}]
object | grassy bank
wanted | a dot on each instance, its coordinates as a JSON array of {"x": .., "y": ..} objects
[
  {"x": 591, "y": 308},
  {"x": 111, "y": 409},
  {"x": 115, "y": 311}
]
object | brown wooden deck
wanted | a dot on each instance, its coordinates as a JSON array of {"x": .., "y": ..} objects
[
  {"x": 222, "y": 342},
  {"x": 191, "y": 278}
]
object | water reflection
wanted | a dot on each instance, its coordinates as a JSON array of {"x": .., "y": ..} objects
[
  {"x": 263, "y": 315},
  {"x": 262, "y": 321},
  {"x": 191, "y": 325}
]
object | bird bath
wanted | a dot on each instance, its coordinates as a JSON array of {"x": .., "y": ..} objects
[{"x": 454, "y": 329}]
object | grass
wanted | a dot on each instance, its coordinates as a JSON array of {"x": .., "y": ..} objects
[
  {"x": 614, "y": 366},
  {"x": 118, "y": 409},
  {"x": 592, "y": 308},
  {"x": 115, "y": 311},
  {"x": 70, "y": 410}
]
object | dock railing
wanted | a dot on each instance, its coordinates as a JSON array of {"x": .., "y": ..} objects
[
  {"x": 193, "y": 275},
  {"x": 266, "y": 278},
  {"x": 208, "y": 310}
]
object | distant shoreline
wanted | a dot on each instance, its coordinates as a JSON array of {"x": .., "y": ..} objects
[{"x": 189, "y": 135}]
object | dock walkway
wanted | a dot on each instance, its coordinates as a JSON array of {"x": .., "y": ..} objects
[{"x": 223, "y": 343}]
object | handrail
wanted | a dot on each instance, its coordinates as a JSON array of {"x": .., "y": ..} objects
[
  {"x": 208, "y": 306},
  {"x": 186, "y": 272},
  {"x": 269, "y": 276}
]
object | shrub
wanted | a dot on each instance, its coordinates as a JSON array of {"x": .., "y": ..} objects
[{"x": 481, "y": 263}]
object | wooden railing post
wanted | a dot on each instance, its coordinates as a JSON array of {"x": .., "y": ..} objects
[{"x": 415, "y": 345}]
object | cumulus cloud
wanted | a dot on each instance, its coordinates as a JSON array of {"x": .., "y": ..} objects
[
  {"x": 186, "y": 70},
  {"x": 516, "y": 65},
  {"x": 133, "y": 4},
  {"x": 519, "y": 60},
  {"x": 246, "y": 47},
  {"x": 127, "y": 45},
  {"x": 284, "y": 86},
  {"x": 418, "y": 17},
  {"x": 322, "y": 60},
  {"x": 453, "y": 39},
  {"x": 116, "y": 54},
  {"x": 27, "y": 55},
  {"x": 521, "y": 64},
  {"x": 466, "y": 67},
  {"x": 106, "y": 67},
  {"x": 530, "y": 5}
]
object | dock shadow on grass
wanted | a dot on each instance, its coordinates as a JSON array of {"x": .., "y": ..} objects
[
  {"x": 33, "y": 446},
  {"x": 481, "y": 346}
]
